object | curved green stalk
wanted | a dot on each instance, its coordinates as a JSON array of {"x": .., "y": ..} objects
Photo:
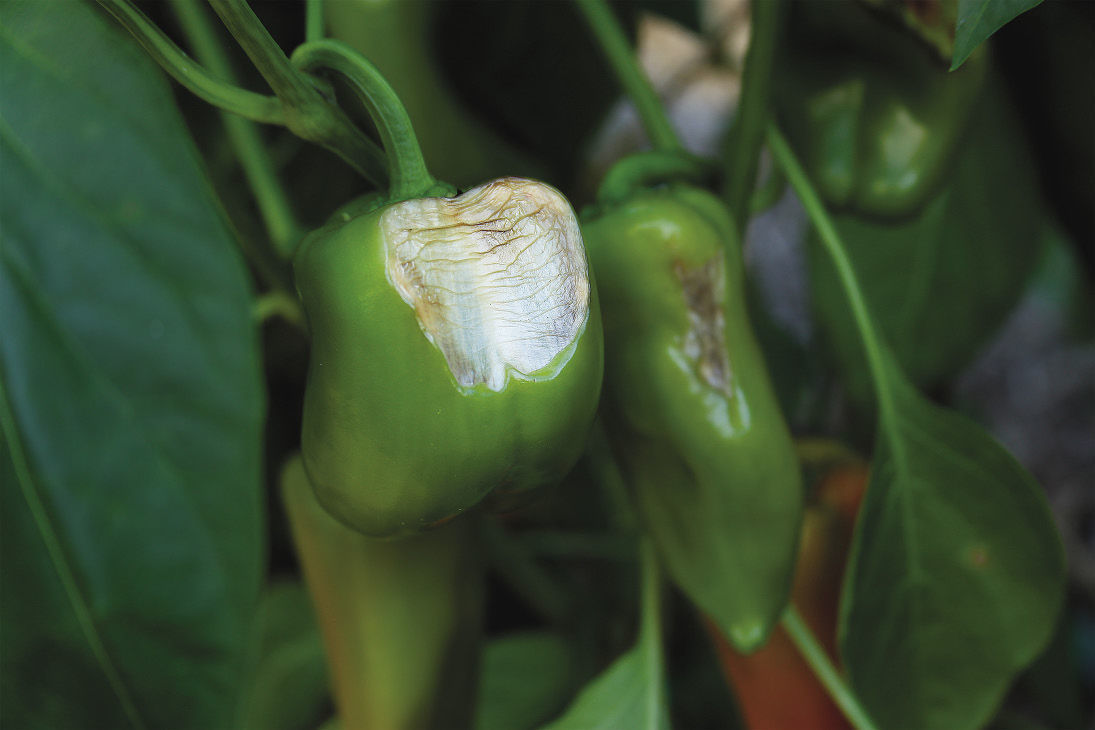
[
  {"x": 747, "y": 134},
  {"x": 279, "y": 303},
  {"x": 826, "y": 673},
  {"x": 645, "y": 169},
  {"x": 254, "y": 158},
  {"x": 308, "y": 114},
  {"x": 620, "y": 55},
  {"x": 783, "y": 155},
  {"x": 247, "y": 104},
  {"x": 406, "y": 166}
]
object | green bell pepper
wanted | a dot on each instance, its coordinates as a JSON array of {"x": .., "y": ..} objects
[
  {"x": 401, "y": 619},
  {"x": 690, "y": 409},
  {"x": 870, "y": 109},
  {"x": 456, "y": 351}
]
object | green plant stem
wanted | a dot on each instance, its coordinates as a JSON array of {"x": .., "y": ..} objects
[
  {"x": 308, "y": 114},
  {"x": 313, "y": 20},
  {"x": 607, "y": 473},
  {"x": 645, "y": 169},
  {"x": 620, "y": 55},
  {"x": 747, "y": 134},
  {"x": 406, "y": 166},
  {"x": 515, "y": 564},
  {"x": 815, "y": 209},
  {"x": 264, "y": 52},
  {"x": 254, "y": 158},
  {"x": 193, "y": 77},
  {"x": 280, "y": 303},
  {"x": 650, "y": 633},
  {"x": 819, "y": 662}
]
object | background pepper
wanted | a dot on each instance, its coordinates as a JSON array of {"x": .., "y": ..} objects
[
  {"x": 873, "y": 112},
  {"x": 456, "y": 349},
  {"x": 401, "y": 620},
  {"x": 690, "y": 407}
]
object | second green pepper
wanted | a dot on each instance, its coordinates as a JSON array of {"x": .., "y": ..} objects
[{"x": 691, "y": 410}]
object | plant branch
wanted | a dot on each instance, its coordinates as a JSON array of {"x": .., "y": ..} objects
[
  {"x": 826, "y": 673},
  {"x": 406, "y": 166},
  {"x": 650, "y": 634},
  {"x": 313, "y": 20},
  {"x": 308, "y": 114},
  {"x": 193, "y": 77},
  {"x": 252, "y": 153},
  {"x": 747, "y": 134},
  {"x": 280, "y": 303},
  {"x": 614, "y": 44},
  {"x": 815, "y": 209},
  {"x": 515, "y": 563}
]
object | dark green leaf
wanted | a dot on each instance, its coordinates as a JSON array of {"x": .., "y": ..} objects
[
  {"x": 957, "y": 571},
  {"x": 287, "y": 673},
  {"x": 939, "y": 285},
  {"x": 130, "y": 400},
  {"x": 525, "y": 679},
  {"x": 979, "y": 19}
]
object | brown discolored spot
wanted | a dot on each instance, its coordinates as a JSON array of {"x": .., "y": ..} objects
[
  {"x": 978, "y": 556},
  {"x": 704, "y": 291}
]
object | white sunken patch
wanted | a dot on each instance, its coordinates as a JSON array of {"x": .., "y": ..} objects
[{"x": 497, "y": 276}]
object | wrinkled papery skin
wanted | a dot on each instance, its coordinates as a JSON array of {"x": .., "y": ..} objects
[
  {"x": 876, "y": 118},
  {"x": 456, "y": 350},
  {"x": 692, "y": 414}
]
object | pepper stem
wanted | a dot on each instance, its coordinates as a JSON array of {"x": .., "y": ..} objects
[
  {"x": 615, "y": 46},
  {"x": 646, "y": 169},
  {"x": 406, "y": 166}
]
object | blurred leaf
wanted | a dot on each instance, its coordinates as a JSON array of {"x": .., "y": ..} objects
[
  {"x": 979, "y": 19},
  {"x": 957, "y": 572},
  {"x": 939, "y": 285},
  {"x": 287, "y": 686},
  {"x": 630, "y": 694},
  {"x": 130, "y": 402},
  {"x": 525, "y": 679},
  {"x": 617, "y": 699}
]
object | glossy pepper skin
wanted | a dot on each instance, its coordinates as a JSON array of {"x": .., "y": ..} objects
[
  {"x": 454, "y": 352},
  {"x": 690, "y": 409},
  {"x": 401, "y": 619},
  {"x": 873, "y": 112}
]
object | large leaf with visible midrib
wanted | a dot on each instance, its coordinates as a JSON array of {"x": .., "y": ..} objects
[
  {"x": 957, "y": 571},
  {"x": 130, "y": 395}
]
